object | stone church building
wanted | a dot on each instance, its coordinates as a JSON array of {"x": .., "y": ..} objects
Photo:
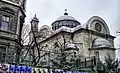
[
  {"x": 67, "y": 35},
  {"x": 65, "y": 41}
]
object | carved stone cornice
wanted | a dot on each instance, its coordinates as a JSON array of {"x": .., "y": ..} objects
[{"x": 102, "y": 48}]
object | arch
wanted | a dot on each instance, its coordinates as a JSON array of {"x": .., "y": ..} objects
[
  {"x": 45, "y": 31},
  {"x": 98, "y": 19},
  {"x": 45, "y": 27}
]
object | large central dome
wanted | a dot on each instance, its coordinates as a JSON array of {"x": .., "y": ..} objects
[
  {"x": 65, "y": 20},
  {"x": 66, "y": 17}
]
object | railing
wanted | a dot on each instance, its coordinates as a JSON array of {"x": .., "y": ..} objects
[{"x": 84, "y": 63}]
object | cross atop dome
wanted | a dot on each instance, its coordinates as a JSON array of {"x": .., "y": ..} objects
[
  {"x": 65, "y": 12},
  {"x": 35, "y": 16}
]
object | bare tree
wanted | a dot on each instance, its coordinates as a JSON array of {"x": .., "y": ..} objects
[
  {"x": 32, "y": 49},
  {"x": 25, "y": 40},
  {"x": 110, "y": 65},
  {"x": 25, "y": 34},
  {"x": 36, "y": 46},
  {"x": 60, "y": 59}
]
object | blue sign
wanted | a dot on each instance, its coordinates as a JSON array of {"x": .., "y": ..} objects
[
  {"x": 18, "y": 68},
  {"x": 23, "y": 68},
  {"x": 69, "y": 72},
  {"x": 28, "y": 68},
  {"x": 83, "y": 72},
  {"x": 12, "y": 68},
  {"x": 77, "y": 72}
]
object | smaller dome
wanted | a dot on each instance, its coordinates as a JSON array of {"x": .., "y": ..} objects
[{"x": 100, "y": 42}]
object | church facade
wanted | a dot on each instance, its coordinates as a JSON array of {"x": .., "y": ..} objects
[
  {"x": 68, "y": 39},
  {"x": 12, "y": 14}
]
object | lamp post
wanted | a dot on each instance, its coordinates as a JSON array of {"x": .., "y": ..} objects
[
  {"x": 48, "y": 61},
  {"x": 97, "y": 55},
  {"x": 74, "y": 59}
]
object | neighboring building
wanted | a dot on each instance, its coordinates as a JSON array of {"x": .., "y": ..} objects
[
  {"x": 117, "y": 45},
  {"x": 88, "y": 40},
  {"x": 12, "y": 16}
]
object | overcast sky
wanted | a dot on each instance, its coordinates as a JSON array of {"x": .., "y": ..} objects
[{"x": 49, "y": 10}]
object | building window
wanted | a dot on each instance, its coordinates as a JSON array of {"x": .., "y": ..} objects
[
  {"x": 4, "y": 23},
  {"x": 10, "y": 57},
  {"x": 2, "y": 53}
]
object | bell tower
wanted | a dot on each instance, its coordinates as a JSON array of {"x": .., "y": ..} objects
[
  {"x": 34, "y": 24},
  {"x": 34, "y": 28}
]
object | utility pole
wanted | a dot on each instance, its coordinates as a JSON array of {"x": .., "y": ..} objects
[{"x": 97, "y": 59}]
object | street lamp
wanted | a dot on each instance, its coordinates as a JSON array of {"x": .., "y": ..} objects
[{"x": 97, "y": 55}]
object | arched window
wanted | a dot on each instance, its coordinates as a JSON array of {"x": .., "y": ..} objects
[
  {"x": 5, "y": 19},
  {"x": 76, "y": 24},
  {"x": 67, "y": 23},
  {"x": 60, "y": 24},
  {"x": 4, "y": 23},
  {"x": 55, "y": 26}
]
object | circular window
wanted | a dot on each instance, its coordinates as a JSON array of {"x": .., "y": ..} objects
[{"x": 98, "y": 27}]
